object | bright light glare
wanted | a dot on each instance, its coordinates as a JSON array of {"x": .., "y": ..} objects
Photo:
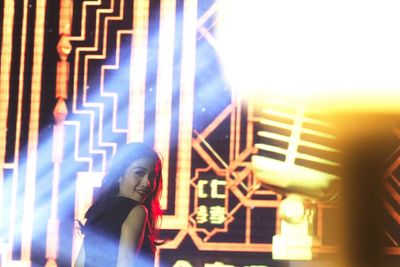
[{"x": 343, "y": 50}]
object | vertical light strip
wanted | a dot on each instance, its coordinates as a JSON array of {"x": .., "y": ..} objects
[
  {"x": 13, "y": 204},
  {"x": 5, "y": 74},
  {"x": 137, "y": 84},
  {"x": 249, "y": 210},
  {"x": 27, "y": 220},
  {"x": 162, "y": 130},
  {"x": 186, "y": 113},
  {"x": 232, "y": 126},
  {"x": 250, "y": 124},
  {"x": 60, "y": 112},
  {"x": 277, "y": 216},
  {"x": 238, "y": 124}
]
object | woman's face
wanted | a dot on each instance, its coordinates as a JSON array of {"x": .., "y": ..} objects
[{"x": 139, "y": 180}]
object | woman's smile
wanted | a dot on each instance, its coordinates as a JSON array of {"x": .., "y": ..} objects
[
  {"x": 137, "y": 182},
  {"x": 142, "y": 191}
]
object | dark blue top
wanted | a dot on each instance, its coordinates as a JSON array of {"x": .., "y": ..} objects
[{"x": 101, "y": 240}]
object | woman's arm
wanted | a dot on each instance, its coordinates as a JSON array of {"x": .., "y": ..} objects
[{"x": 132, "y": 233}]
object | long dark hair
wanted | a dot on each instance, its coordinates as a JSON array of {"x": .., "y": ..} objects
[{"x": 110, "y": 186}]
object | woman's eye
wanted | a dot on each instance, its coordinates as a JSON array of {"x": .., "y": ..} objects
[{"x": 140, "y": 173}]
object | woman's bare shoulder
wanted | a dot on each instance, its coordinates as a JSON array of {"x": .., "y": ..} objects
[{"x": 138, "y": 214}]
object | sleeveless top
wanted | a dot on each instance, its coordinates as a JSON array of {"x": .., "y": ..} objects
[{"x": 101, "y": 239}]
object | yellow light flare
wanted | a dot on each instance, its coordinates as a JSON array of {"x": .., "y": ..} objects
[{"x": 302, "y": 51}]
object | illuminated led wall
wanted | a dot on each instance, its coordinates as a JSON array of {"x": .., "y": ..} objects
[{"x": 80, "y": 78}]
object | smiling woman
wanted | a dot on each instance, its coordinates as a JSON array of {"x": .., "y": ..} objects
[
  {"x": 138, "y": 180},
  {"x": 121, "y": 225}
]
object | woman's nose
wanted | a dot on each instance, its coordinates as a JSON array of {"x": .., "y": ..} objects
[{"x": 146, "y": 181}]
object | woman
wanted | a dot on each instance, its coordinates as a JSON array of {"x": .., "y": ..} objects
[{"x": 121, "y": 225}]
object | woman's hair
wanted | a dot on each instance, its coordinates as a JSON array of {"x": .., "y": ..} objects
[{"x": 110, "y": 186}]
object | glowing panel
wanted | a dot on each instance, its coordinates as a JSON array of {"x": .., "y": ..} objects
[
  {"x": 164, "y": 88},
  {"x": 17, "y": 133},
  {"x": 27, "y": 221},
  {"x": 186, "y": 98},
  {"x": 138, "y": 71},
  {"x": 6, "y": 50}
]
